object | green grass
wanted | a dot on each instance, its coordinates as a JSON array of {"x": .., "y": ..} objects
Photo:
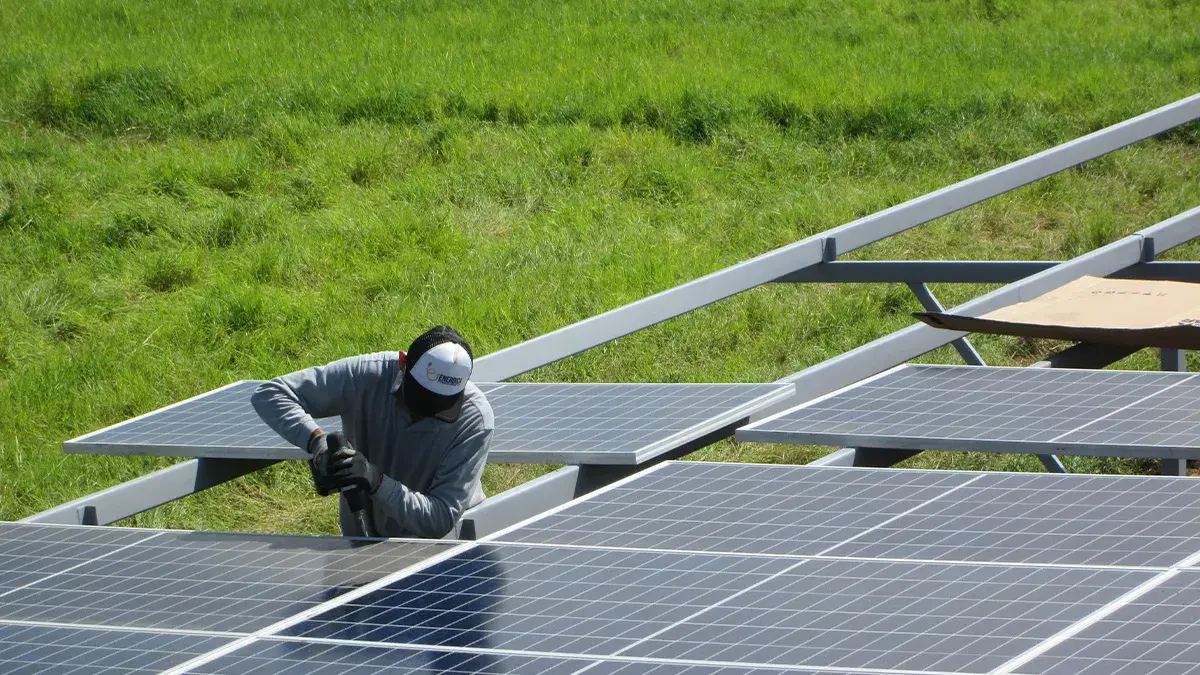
[{"x": 196, "y": 193}]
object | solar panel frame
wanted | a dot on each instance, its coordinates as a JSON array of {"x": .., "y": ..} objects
[
  {"x": 249, "y": 438},
  {"x": 292, "y": 656},
  {"x": 784, "y": 427}
]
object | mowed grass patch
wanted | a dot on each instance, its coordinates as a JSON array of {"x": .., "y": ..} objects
[{"x": 177, "y": 212}]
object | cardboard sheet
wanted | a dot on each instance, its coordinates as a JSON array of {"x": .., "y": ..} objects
[{"x": 1094, "y": 309}]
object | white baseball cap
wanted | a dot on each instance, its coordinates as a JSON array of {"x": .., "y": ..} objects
[{"x": 439, "y": 366}]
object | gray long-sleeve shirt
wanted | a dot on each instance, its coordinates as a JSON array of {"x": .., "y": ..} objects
[{"x": 431, "y": 468}]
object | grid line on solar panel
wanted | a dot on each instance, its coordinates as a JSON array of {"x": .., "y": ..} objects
[
  {"x": 1105, "y": 412},
  {"x": 30, "y": 554},
  {"x": 115, "y": 628},
  {"x": 559, "y": 423},
  {"x": 66, "y": 650},
  {"x": 275, "y": 656},
  {"x": 809, "y": 614},
  {"x": 216, "y": 582},
  {"x": 305, "y": 655},
  {"x": 848, "y": 558},
  {"x": 302, "y": 650}
]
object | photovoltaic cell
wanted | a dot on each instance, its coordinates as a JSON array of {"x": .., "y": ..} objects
[
  {"x": 706, "y": 506},
  {"x": 535, "y": 423},
  {"x": 26, "y": 650},
  {"x": 213, "y": 582},
  {"x": 29, "y": 553},
  {"x": 1088, "y": 412},
  {"x": 1041, "y": 518},
  {"x": 1155, "y": 634}
]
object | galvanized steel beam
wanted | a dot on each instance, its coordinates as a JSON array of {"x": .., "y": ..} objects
[{"x": 144, "y": 493}]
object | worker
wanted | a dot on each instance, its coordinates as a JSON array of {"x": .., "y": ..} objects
[{"x": 417, "y": 432}]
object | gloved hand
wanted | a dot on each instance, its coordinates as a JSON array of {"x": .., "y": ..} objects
[
  {"x": 336, "y": 465},
  {"x": 320, "y": 465},
  {"x": 352, "y": 469}
]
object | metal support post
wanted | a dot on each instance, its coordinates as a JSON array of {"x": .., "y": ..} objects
[
  {"x": 961, "y": 345},
  {"x": 1173, "y": 359}
]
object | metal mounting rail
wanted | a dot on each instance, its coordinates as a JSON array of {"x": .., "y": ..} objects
[{"x": 811, "y": 259}]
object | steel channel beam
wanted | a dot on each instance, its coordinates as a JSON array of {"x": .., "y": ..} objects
[
  {"x": 1162, "y": 271},
  {"x": 149, "y": 491},
  {"x": 583, "y": 335},
  {"x": 918, "y": 271},
  {"x": 966, "y": 271}
]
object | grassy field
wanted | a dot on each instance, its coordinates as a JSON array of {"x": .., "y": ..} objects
[{"x": 192, "y": 193}]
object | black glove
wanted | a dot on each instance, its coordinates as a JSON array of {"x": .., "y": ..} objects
[
  {"x": 320, "y": 464},
  {"x": 339, "y": 466}
]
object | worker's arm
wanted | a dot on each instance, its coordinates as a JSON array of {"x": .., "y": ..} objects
[
  {"x": 433, "y": 513},
  {"x": 289, "y": 403}
]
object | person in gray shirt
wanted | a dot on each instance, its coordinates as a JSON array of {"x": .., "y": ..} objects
[{"x": 418, "y": 430}]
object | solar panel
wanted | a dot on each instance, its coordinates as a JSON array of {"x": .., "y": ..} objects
[
  {"x": 615, "y": 423},
  {"x": 1155, "y": 633},
  {"x": 1029, "y": 410},
  {"x": 957, "y": 572},
  {"x": 29, "y": 553},
  {"x": 1048, "y": 519},
  {"x": 989, "y": 517},
  {"x": 541, "y": 599},
  {"x": 744, "y": 609},
  {"x": 201, "y": 581},
  {"x": 704, "y": 506},
  {"x": 79, "y": 651},
  {"x": 885, "y": 615},
  {"x": 535, "y": 423}
]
